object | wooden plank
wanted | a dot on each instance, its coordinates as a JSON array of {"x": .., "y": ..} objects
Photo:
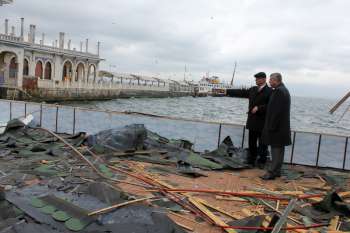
[
  {"x": 284, "y": 217},
  {"x": 230, "y": 198},
  {"x": 279, "y": 212},
  {"x": 215, "y": 208},
  {"x": 344, "y": 194},
  {"x": 243, "y": 213},
  {"x": 247, "y": 212},
  {"x": 198, "y": 203},
  {"x": 337, "y": 232},
  {"x": 339, "y": 103},
  {"x": 268, "y": 219},
  {"x": 182, "y": 217},
  {"x": 292, "y": 193},
  {"x": 184, "y": 226},
  {"x": 316, "y": 199},
  {"x": 277, "y": 205},
  {"x": 333, "y": 224},
  {"x": 138, "y": 152},
  {"x": 209, "y": 214},
  {"x": 107, "y": 209}
]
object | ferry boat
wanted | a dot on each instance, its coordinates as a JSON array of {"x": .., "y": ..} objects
[{"x": 211, "y": 86}]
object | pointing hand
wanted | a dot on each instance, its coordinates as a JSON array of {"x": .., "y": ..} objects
[{"x": 254, "y": 110}]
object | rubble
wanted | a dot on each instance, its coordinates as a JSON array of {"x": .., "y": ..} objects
[{"x": 130, "y": 179}]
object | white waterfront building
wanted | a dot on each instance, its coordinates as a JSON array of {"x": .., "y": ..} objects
[
  {"x": 31, "y": 67},
  {"x": 3, "y": 2},
  {"x": 59, "y": 64}
]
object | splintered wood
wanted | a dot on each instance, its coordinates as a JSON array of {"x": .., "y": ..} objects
[{"x": 219, "y": 209}]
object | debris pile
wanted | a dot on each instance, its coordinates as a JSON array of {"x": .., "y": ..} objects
[{"x": 133, "y": 180}]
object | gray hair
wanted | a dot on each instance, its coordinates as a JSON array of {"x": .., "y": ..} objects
[{"x": 276, "y": 76}]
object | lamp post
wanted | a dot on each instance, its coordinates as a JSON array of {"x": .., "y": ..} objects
[{"x": 110, "y": 71}]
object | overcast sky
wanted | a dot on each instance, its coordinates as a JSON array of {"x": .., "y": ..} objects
[{"x": 308, "y": 41}]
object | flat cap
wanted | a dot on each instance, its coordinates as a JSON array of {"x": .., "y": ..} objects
[{"x": 260, "y": 75}]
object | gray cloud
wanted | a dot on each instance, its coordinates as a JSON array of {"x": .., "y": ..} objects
[{"x": 308, "y": 41}]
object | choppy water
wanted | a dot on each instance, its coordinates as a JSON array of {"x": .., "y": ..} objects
[{"x": 307, "y": 114}]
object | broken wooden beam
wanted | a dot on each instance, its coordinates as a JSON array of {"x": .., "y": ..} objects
[
  {"x": 107, "y": 209},
  {"x": 284, "y": 216},
  {"x": 333, "y": 225},
  {"x": 184, "y": 226},
  {"x": 210, "y": 215},
  {"x": 339, "y": 103}
]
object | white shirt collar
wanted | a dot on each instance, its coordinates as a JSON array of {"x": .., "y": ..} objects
[{"x": 261, "y": 87}]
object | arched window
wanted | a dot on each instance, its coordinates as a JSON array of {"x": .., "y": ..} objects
[
  {"x": 25, "y": 67},
  {"x": 39, "y": 69},
  {"x": 67, "y": 71},
  {"x": 80, "y": 72},
  {"x": 48, "y": 70},
  {"x": 13, "y": 68},
  {"x": 92, "y": 73}
]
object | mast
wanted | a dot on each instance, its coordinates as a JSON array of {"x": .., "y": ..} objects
[{"x": 234, "y": 72}]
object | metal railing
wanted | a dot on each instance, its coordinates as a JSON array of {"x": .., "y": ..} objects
[
  {"x": 103, "y": 84},
  {"x": 308, "y": 148},
  {"x": 17, "y": 39}
]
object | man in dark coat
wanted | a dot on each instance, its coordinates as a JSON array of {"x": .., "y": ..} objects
[
  {"x": 276, "y": 132},
  {"x": 258, "y": 98}
]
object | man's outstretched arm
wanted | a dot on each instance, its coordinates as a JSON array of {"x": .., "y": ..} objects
[{"x": 243, "y": 93}]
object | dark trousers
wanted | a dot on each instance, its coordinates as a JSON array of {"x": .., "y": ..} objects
[
  {"x": 277, "y": 154},
  {"x": 256, "y": 147}
]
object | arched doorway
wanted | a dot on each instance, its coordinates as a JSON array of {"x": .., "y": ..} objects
[
  {"x": 25, "y": 67},
  {"x": 13, "y": 68},
  {"x": 8, "y": 68},
  {"x": 67, "y": 71},
  {"x": 92, "y": 73},
  {"x": 80, "y": 72},
  {"x": 48, "y": 70},
  {"x": 39, "y": 70}
]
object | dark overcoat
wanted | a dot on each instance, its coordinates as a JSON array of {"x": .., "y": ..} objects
[
  {"x": 255, "y": 122},
  {"x": 276, "y": 131}
]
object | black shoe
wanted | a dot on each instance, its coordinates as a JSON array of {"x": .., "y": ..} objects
[
  {"x": 261, "y": 165},
  {"x": 268, "y": 176},
  {"x": 251, "y": 162}
]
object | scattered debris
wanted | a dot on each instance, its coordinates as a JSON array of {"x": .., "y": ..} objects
[{"x": 133, "y": 180}]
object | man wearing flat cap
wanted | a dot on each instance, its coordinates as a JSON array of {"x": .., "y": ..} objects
[
  {"x": 258, "y": 99},
  {"x": 276, "y": 132}
]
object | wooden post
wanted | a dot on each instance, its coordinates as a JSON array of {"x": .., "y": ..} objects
[{"x": 340, "y": 102}]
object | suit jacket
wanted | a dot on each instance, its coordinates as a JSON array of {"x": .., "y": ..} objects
[
  {"x": 256, "y": 98},
  {"x": 277, "y": 125}
]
